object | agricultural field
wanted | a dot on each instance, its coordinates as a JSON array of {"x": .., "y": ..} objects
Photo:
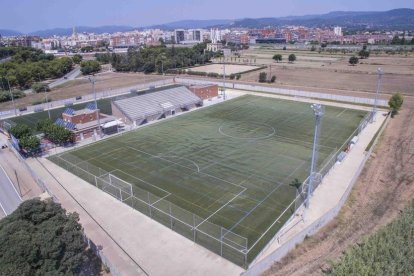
[
  {"x": 220, "y": 175},
  {"x": 230, "y": 68}
]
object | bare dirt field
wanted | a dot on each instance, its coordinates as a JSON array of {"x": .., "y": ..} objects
[
  {"x": 382, "y": 191},
  {"x": 82, "y": 86},
  {"x": 218, "y": 68}
]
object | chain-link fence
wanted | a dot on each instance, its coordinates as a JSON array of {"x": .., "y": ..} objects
[
  {"x": 287, "y": 92},
  {"x": 211, "y": 236}
]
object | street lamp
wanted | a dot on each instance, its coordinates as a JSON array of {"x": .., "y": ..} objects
[
  {"x": 377, "y": 93},
  {"x": 93, "y": 80}
]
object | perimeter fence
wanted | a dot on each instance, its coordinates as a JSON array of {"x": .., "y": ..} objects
[
  {"x": 287, "y": 92},
  {"x": 85, "y": 98},
  {"x": 302, "y": 192},
  {"x": 216, "y": 238}
]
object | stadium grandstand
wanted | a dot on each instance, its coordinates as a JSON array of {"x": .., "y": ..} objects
[{"x": 149, "y": 107}]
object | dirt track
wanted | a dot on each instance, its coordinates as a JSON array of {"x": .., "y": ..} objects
[{"x": 384, "y": 188}]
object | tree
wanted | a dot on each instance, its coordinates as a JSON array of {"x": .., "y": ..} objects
[
  {"x": 353, "y": 60},
  {"x": 20, "y": 130},
  {"x": 40, "y": 87},
  {"x": 396, "y": 101},
  {"x": 90, "y": 67},
  {"x": 295, "y": 183},
  {"x": 238, "y": 76},
  {"x": 58, "y": 134},
  {"x": 284, "y": 48},
  {"x": 29, "y": 143},
  {"x": 262, "y": 77},
  {"x": 42, "y": 125},
  {"x": 41, "y": 238},
  {"x": 363, "y": 54},
  {"x": 292, "y": 58},
  {"x": 273, "y": 79},
  {"x": 277, "y": 57},
  {"x": 77, "y": 58}
]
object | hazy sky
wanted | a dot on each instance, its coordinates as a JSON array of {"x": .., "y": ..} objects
[{"x": 33, "y": 15}]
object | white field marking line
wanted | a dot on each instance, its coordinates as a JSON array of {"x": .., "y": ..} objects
[
  {"x": 146, "y": 182},
  {"x": 220, "y": 208},
  {"x": 181, "y": 158},
  {"x": 159, "y": 200},
  {"x": 11, "y": 183},
  {"x": 247, "y": 138},
  {"x": 268, "y": 195},
  {"x": 300, "y": 141},
  {"x": 193, "y": 203},
  {"x": 101, "y": 155},
  {"x": 212, "y": 176},
  {"x": 339, "y": 115},
  {"x": 1, "y": 205}
]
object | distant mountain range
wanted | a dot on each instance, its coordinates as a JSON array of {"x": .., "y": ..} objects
[{"x": 401, "y": 19}]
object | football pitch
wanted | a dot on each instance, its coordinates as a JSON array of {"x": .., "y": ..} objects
[{"x": 218, "y": 175}]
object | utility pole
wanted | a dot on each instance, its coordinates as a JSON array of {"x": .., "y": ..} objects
[
  {"x": 93, "y": 80},
  {"x": 377, "y": 93},
  {"x": 11, "y": 95},
  {"x": 319, "y": 112}
]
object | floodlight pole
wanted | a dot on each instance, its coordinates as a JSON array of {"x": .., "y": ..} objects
[
  {"x": 377, "y": 93},
  {"x": 224, "y": 79},
  {"x": 47, "y": 101},
  {"x": 11, "y": 95},
  {"x": 93, "y": 80},
  {"x": 319, "y": 112}
]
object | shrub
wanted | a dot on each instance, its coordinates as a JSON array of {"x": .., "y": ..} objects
[
  {"x": 273, "y": 79},
  {"x": 262, "y": 77},
  {"x": 40, "y": 87},
  {"x": 238, "y": 76}
]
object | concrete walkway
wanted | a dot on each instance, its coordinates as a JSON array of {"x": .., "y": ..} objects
[{"x": 150, "y": 245}]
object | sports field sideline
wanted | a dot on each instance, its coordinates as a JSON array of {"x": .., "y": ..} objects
[{"x": 229, "y": 164}]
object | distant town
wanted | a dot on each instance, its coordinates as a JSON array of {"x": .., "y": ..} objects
[{"x": 217, "y": 38}]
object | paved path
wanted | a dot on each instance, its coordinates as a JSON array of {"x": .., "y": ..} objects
[{"x": 9, "y": 197}]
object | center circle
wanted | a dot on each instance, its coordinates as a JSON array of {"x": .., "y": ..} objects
[{"x": 246, "y": 130}]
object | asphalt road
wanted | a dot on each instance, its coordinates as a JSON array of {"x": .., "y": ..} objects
[
  {"x": 69, "y": 76},
  {"x": 9, "y": 197}
]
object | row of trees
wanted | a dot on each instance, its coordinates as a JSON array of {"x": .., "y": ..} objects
[
  {"x": 30, "y": 143},
  {"x": 279, "y": 57},
  {"x": 29, "y": 65},
  {"x": 160, "y": 58}
]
